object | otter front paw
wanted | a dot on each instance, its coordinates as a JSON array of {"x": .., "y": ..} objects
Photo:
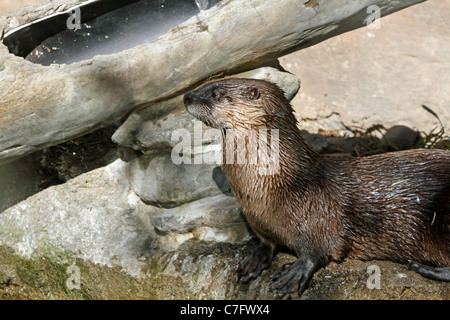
[
  {"x": 253, "y": 264},
  {"x": 294, "y": 277}
]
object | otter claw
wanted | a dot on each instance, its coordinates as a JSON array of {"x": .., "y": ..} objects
[
  {"x": 294, "y": 277},
  {"x": 251, "y": 266}
]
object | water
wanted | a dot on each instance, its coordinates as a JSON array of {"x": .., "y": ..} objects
[{"x": 123, "y": 28}]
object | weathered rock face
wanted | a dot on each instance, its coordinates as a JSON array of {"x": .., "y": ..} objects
[
  {"x": 95, "y": 214},
  {"x": 123, "y": 248},
  {"x": 200, "y": 270},
  {"x": 194, "y": 200},
  {"x": 100, "y": 215},
  {"x": 183, "y": 243},
  {"x": 156, "y": 183}
]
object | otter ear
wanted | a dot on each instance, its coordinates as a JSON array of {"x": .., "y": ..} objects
[{"x": 253, "y": 93}]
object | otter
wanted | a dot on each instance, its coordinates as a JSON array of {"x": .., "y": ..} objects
[{"x": 393, "y": 206}]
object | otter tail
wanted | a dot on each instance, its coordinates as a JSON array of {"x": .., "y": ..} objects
[{"x": 434, "y": 273}]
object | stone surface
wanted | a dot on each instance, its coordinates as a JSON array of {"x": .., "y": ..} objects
[
  {"x": 215, "y": 218},
  {"x": 378, "y": 76},
  {"x": 201, "y": 270},
  {"x": 95, "y": 214},
  {"x": 158, "y": 181},
  {"x": 125, "y": 249},
  {"x": 99, "y": 215},
  {"x": 400, "y": 137},
  {"x": 54, "y": 165},
  {"x": 11, "y": 5}
]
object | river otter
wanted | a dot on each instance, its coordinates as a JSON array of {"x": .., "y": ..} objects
[{"x": 393, "y": 206}]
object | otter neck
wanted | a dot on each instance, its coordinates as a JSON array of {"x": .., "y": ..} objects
[{"x": 282, "y": 156}]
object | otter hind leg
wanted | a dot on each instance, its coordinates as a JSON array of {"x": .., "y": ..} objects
[
  {"x": 434, "y": 273},
  {"x": 295, "y": 277},
  {"x": 253, "y": 264}
]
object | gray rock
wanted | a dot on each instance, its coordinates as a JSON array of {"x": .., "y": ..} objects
[
  {"x": 160, "y": 182},
  {"x": 95, "y": 215},
  {"x": 217, "y": 218},
  {"x": 400, "y": 137},
  {"x": 355, "y": 145},
  {"x": 11, "y": 5},
  {"x": 206, "y": 270}
]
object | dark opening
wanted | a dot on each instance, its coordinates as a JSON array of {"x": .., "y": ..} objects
[{"x": 105, "y": 27}]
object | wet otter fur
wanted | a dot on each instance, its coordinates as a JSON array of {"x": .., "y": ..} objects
[{"x": 393, "y": 206}]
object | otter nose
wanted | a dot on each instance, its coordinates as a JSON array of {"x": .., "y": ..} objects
[{"x": 188, "y": 98}]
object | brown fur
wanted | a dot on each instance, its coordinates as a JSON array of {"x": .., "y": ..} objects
[{"x": 393, "y": 206}]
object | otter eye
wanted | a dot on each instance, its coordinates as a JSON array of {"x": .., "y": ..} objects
[
  {"x": 254, "y": 93},
  {"x": 215, "y": 94}
]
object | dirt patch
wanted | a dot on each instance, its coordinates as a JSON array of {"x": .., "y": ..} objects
[{"x": 312, "y": 4}]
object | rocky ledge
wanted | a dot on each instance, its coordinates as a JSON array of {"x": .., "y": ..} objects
[{"x": 106, "y": 243}]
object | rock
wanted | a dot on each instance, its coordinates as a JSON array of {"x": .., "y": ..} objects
[
  {"x": 151, "y": 128},
  {"x": 54, "y": 165},
  {"x": 95, "y": 225},
  {"x": 154, "y": 229},
  {"x": 400, "y": 137},
  {"x": 382, "y": 76},
  {"x": 158, "y": 181},
  {"x": 202, "y": 270},
  {"x": 216, "y": 218},
  {"x": 286, "y": 81},
  {"x": 11, "y": 5},
  {"x": 100, "y": 216},
  {"x": 95, "y": 214}
]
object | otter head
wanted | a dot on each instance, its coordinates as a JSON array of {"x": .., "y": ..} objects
[{"x": 238, "y": 104}]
